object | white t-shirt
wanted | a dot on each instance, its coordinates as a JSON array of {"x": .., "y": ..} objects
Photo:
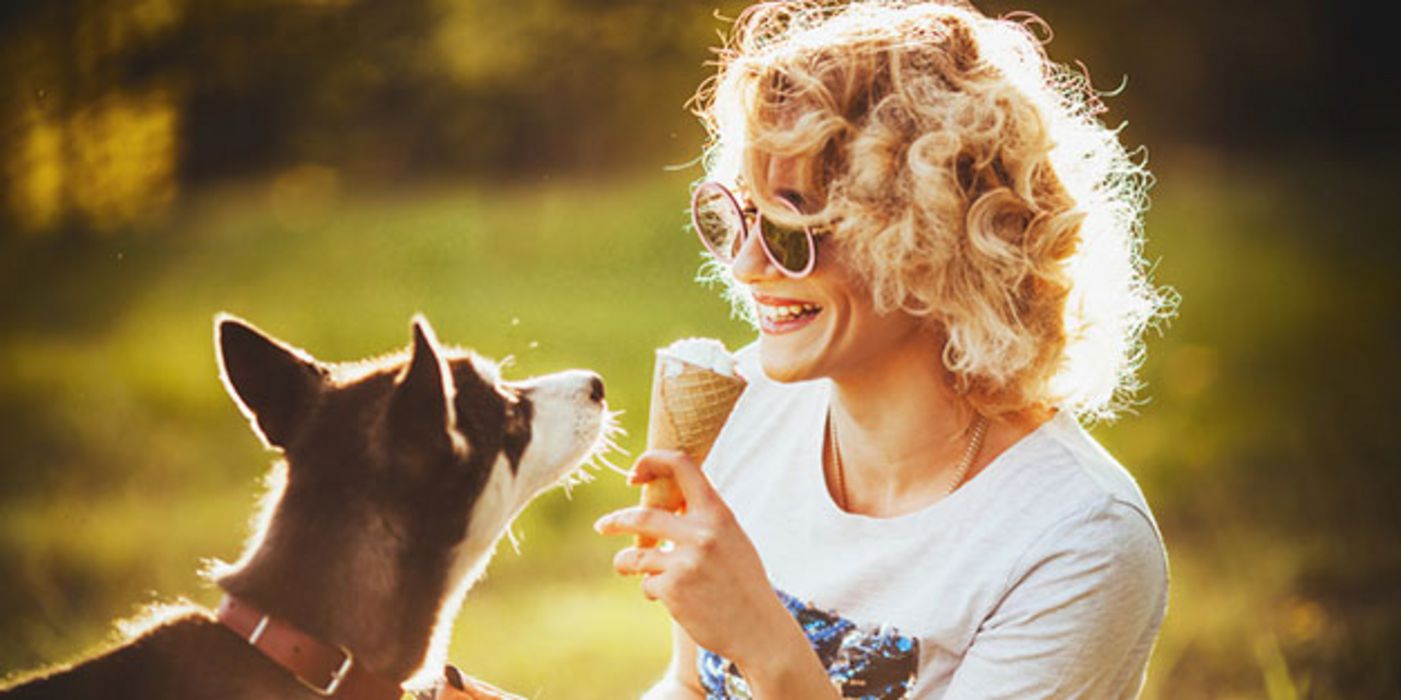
[{"x": 1044, "y": 576}]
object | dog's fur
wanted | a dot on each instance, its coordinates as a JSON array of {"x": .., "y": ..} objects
[{"x": 399, "y": 478}]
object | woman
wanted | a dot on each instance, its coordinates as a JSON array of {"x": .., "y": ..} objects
[{"x": 939, "y": 244}]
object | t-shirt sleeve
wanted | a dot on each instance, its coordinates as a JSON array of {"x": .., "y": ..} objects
[{"x": 1079, "y": 616}]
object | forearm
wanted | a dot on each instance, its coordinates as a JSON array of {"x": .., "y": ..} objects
[
  {"x": 681, "y": 681},
  {"x": 788, "y": 668}
]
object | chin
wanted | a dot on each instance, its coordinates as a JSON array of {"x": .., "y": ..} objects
[{"x": 784, "y": 364}]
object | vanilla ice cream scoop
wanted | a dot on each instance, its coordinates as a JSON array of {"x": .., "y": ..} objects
[{"x": 706, "y": 353}]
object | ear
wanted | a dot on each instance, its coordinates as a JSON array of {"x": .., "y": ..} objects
[
  {"x": 276, "y": 386},
  {"x": 422, "y": 420}
]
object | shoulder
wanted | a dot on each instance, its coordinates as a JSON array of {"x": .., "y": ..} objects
[
  {"x": 1095, "y": 520},
  {"x": 1060, "y": 473},
  {"x": 1103, "y": 539},
  {"x": 1080, "y": 601}
]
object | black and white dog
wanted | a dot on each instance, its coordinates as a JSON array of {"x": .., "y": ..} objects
[{"x": 400, "y": 476}]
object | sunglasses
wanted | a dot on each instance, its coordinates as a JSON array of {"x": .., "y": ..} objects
[{"x": 723, "y": 226}]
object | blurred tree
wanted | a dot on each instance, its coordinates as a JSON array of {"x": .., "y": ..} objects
[
  {"x": 111, "y": 105},
  {"x": 92, "y": 139}
]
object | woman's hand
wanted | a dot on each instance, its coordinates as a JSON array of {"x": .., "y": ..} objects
[
  {"x": 712, "y": 582},
  {"x": 710, "y": 579},
  {"x": 458, "y": 686}
]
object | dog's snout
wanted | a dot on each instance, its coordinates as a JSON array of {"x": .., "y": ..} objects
[{"x": 577, "y": 386}]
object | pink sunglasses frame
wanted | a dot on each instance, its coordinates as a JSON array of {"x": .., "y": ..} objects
[{"x": 745, "y": 230}]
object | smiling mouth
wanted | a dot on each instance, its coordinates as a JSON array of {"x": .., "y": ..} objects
[{"x": 783, "y": 315}]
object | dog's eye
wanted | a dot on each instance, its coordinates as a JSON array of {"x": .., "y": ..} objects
[
  {"x": 518, "y": 415},
  {"x": 509, "y": 400}
]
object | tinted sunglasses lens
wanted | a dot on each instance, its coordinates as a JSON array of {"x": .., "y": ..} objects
[
  {"x": 718, "y": 220},
  {"x": 790, "y": 247}
]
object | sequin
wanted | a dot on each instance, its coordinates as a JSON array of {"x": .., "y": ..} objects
[{"x": 874, "y": 663}]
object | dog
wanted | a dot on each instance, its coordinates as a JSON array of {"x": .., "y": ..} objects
[{"x": 397, "y": 479}]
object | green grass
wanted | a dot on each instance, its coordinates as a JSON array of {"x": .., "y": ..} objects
[{"x": 127, "y": 466}]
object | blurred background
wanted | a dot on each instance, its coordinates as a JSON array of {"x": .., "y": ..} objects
[{"x": 518, "y": 171}]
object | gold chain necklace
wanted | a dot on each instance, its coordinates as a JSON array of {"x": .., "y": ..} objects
[{"x": 975, "y": 445}]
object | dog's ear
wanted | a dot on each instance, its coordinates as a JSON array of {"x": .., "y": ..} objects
[
  {"x": 275, "y": 385},
  {"x": 422, "y": 420}
]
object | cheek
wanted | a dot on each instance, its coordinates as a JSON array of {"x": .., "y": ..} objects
[
  {"x": 899, "y": 328},
  {"x": 860, "y": 326},
  {"x": 888, "y": 327}
]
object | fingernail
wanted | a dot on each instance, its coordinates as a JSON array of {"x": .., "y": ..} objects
[{"x": 454, "y": 677}]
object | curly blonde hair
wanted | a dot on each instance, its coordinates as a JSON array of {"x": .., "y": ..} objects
[{"x": 966, "y": 179}]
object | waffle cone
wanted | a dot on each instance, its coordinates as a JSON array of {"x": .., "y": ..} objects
[{"x": 690, "y": 405}]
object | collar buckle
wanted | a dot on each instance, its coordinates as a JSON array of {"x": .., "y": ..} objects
[{"x": 336, "y": 678}]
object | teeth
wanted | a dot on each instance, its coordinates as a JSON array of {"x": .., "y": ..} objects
[{"x": 787, "y": 312}]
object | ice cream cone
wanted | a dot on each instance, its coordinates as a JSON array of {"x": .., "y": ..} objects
[{"x": 690, "y": 404}]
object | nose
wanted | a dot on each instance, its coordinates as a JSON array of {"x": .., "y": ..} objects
[
  {"x": 596, "y": 388},
  {"x": 751, "y": 264}
]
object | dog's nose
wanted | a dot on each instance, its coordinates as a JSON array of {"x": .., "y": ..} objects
[{"x": 596, "y": 388}]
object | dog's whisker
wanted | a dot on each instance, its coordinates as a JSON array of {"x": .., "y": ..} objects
[
  {"x": 607, "y": 443},
  {"x": 604, "y": 463},
  {"x": 567, "y": 483},
  {"x": 602, "y": 460}
]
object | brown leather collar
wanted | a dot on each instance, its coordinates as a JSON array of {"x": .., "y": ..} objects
[{"x": 328, "y": 670}]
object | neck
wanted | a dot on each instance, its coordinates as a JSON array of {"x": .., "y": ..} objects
[
  {"x": 359, "y": 587},
  {"x": 902, "y": 429}
]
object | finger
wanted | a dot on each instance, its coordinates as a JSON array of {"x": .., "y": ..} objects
[
  {"x": 481, "y": 690},
  {"x": 653, "y": 587},
  {"x": 641, "y": 560},
  {"x": 694, "y": 485},
  {"x": 453, "y": 676},
  {"x": 448, "y": 692},
  {"x": 663, "y": 493},
  {"x": 642, "y": 472},
  {"x": 469, "y": 691},
  {"x": 457, "y": 685},
  {"x": 649, "y": 522}
]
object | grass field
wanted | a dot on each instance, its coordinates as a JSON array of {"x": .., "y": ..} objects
[{"x": 127, "y": 466}]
